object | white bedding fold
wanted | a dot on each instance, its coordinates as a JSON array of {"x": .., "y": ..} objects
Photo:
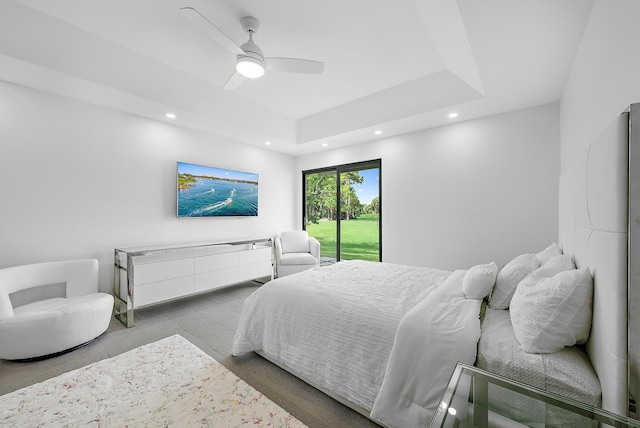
[{"x": 441, "y": 330}]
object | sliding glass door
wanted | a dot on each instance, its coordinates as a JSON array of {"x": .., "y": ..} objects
[{"x": 342, "y": 210}]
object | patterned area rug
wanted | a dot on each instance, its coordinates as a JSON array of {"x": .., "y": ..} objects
[{"x": 169, "y": 383}]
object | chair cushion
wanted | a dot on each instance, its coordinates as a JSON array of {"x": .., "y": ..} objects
[
  {"x": 295, "y": 241},
  {"x": 57, "y": 304},
  {"x": 54, "y": 325},
  {"x": 298, "y": 259}
]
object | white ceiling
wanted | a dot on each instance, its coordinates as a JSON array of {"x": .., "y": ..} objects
[{"x": 395, "y": 66}]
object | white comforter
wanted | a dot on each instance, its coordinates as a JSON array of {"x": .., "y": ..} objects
[
  {"x": 336, "y": 326},
  {"x": 441, "y": 330}
]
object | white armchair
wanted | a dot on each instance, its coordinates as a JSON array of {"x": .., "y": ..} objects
[
  {"x": 296, "y": 251},
  {"x": 54, "y": 324}
]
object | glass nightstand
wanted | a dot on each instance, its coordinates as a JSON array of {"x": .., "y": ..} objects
[{"x": 476, "y": 398}]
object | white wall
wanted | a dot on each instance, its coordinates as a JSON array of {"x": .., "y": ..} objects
[
  {"x": 466, "y": 193},
  {"x": 604, "y": 78},
  {"x": 80, "y": 180}
]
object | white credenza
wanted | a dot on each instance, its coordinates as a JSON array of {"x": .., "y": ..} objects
[{"x": 148, "y": 275}]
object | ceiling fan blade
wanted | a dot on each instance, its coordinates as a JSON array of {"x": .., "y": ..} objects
[
  {"x": 234, "y": 81},
  {"x": 295, "y": 65},
  {"x": 211, "y": 30}
]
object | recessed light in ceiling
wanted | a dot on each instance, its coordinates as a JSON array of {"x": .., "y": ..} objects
[
  {"x": 324, "y": 144},
  {"x": 170, "y": 115},
  {"x": 268, "y": 143},
  {"x": 452, "y": 115},
  {"x": 378, "y": 132}
]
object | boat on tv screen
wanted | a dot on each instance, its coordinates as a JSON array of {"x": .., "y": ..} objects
[{"x": 205, "y": 191}]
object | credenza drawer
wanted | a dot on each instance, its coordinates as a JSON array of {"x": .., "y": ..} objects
[
  {"x": 164, "y": 290},
  {"x": 254, "y": 256},
  {"x": 154, "y": 272},
  {"x": 215, "y": 279},
  {"x": 215, "y": 262},
  {"x": 255, "y": 270}
]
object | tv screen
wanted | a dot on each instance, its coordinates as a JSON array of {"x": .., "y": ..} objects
[{"x": 204, "y": 191}]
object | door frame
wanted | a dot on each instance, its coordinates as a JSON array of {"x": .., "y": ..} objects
[{"x": 339, "y": 169}]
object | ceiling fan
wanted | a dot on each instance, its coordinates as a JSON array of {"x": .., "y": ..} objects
[{"x": 250, "y": 62}]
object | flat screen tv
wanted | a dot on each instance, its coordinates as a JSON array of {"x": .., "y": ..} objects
[{"x": 205, "y": 191}]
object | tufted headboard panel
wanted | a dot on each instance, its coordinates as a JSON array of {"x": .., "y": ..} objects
[{"x": 593, "y": 230}]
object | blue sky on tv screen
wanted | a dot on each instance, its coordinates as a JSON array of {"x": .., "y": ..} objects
[{"x": 188, "y": 168}]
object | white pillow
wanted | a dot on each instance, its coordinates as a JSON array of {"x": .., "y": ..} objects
[
  {"x": 509, "y": 277},
  {"x": 554, "y": 266},
  {"x": 479, "y": 280},
  {"x": 548, "y": 253},
  {"x": 554, "y": 312}
]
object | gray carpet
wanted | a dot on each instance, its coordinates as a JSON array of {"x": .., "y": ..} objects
[{"x": 208, "y": 321}]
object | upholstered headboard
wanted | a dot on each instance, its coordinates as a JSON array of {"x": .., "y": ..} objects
[{"x": 593, "y": 229}]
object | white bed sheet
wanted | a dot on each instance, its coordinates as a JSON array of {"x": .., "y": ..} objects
[{"x": 340, "y": 331}]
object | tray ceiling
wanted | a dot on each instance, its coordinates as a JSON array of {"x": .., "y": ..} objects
[{"x": 396, "y": 66}]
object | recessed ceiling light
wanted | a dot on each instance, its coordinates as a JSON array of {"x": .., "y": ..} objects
[
  {"x": 324, "y": 144},
  {"x": 378, "y": 132},
  {"x": 452, "y": 115},
  {"x": 170, "y": 115},
  {"x": 268, "y": 143}
]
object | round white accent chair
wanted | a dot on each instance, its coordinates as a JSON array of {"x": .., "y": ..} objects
[
  {"x": 49, "y": 325},
  {"x": 296, "y": 251}
]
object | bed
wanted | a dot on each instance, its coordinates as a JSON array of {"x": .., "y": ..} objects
[
  {"x": 384, "y": 338},
  {"x": 357, "y": 320}
]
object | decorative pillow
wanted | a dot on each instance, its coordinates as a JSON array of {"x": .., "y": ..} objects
[
  {"x": 548, "y": 253},
  {"x": 479, "y": 280},
  {"x": 295, "y": 241},
  {"x": 554, "y": 266},
  {"x": 509, "y": 277},
  {"x": 554, "y": 312}
]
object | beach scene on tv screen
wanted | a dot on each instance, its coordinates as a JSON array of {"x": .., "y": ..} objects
[{"x": 205, "y": 191}]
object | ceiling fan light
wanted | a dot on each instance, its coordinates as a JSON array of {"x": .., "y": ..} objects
[{"x": 250, "y": 68}]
